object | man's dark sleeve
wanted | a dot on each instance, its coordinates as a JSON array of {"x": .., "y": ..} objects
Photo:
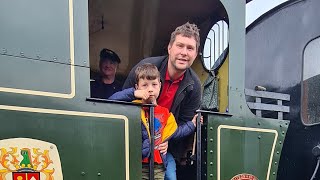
[{"x": 191, "y": 104}]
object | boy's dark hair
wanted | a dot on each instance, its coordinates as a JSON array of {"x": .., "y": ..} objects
[
  {"x": 187, "y": 30},
  {"x": 147, "y": 71}
]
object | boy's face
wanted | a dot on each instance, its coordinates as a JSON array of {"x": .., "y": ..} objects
[{"x": 152, "y": 87}]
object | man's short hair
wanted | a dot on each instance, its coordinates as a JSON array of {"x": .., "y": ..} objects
[
  {"x": 107, "y": 54},
  {"x": 187, "y": 30},
  {"x": 147, "y": 71}
]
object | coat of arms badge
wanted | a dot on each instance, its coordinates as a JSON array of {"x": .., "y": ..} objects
[{"x": 29, "y": 159}]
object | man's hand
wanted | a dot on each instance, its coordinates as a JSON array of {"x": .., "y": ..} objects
[
  {"x": 141, "y": 94},
  {"x": 163, "y": 147},
  {"x": 194, "y": 120}
]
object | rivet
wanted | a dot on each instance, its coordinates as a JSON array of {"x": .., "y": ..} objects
[
  {"x": 211, "y": 175},
  {"x": 278, "y": 152},
  {"x": 4, "y": 50},
  {"x": 259, "y": 137},
  {"x": 259, "y": 123},
  {"x": 274, "y": 173},
  {"x": 211, "y": 140},
  {"x": 211, "y": 128},
  {"x": 211, "y": 152},
  {"x": 280, "y": 142},
  {"x": 83, "y": 173},
  {"x": 211, "y": 163},
  {"x": 276, "y": 163},
  {"x": 282, "y": 132},
  {"x": 99, "y": 174}
]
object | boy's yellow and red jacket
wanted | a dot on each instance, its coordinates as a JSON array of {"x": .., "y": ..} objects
[{"x": 165, "y": 127}]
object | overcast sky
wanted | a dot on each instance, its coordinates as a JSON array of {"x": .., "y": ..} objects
[{"x": 256, "y": 8}]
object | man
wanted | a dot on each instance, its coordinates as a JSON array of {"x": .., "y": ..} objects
[
  {"x": 181, "y": 87},
  {"x": 106, "y": 85}
]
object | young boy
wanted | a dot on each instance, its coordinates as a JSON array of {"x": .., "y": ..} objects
[{"x": 148, "y": 89}]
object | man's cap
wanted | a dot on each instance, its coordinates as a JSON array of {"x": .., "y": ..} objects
[{"x": 109, "y": 54}]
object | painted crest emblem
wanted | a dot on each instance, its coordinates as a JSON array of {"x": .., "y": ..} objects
[
  {"x": 29, "y": 159},
  {"x": 244, "y": 176}
]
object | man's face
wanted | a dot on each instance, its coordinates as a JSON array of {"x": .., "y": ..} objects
[
  {"x": 151, "y": 86},
  {"x": 109, "y": 68},
  {"x": 182, "y": 52}
]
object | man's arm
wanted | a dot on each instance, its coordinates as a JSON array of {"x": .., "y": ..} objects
[{"x": 190, "y": 105}]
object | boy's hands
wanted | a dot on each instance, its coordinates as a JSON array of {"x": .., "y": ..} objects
[
  {"x": 163, "y": 147},
  {"x": 194, "y": 120},
  {"x": 141, "y": 94}
]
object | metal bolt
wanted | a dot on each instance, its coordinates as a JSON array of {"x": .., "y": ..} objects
[
  {"x": 259, "y": 137},
  {"x": 283, "y": 132},
  {"x": 278, "y": 152},
  {"x": 4, "y": 50},
  {"x": 280, "y": 142},
  {"x": 276, "y": 163},
  {"x": 274, "y": 173},
  {"x": 211, "y": 163},
  {"x": 99, "y": 174},
  {"x": 83, "y": 173},
  {"x": 211, "y": 128},
  {"x": 211, "y": 152},
  {"x": 211, "y": 140}
]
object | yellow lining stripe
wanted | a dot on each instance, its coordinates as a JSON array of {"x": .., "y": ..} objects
[
  {"x": 85, "y": 114},
  {"x": 72, "y": 75},
  {"x": 245, "y": 129}
]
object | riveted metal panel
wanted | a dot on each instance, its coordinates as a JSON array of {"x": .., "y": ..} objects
[{"x": 243, "y": 145}]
